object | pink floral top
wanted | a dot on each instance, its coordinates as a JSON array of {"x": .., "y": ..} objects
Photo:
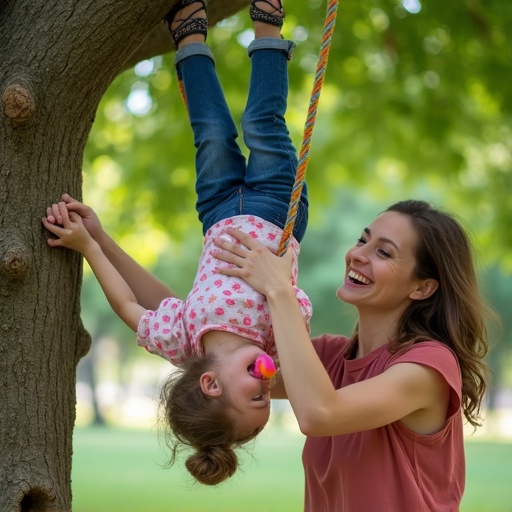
[{"x": 218, "y": 302}]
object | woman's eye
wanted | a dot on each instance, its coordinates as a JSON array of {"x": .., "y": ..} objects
[
  {"x": 384, "y": 253},
  {"x": 361, "y": 241}
]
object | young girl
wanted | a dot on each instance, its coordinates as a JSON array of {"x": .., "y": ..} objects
[{"x": 215, "y": 402}]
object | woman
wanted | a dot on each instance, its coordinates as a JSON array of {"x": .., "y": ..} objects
[{"x": 383, "y": 409}]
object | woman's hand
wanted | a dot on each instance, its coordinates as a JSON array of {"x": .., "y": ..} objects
[{"x": 254, "y": 263}]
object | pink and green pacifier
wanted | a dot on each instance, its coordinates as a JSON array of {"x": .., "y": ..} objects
[{"x": 263, "y": 367}]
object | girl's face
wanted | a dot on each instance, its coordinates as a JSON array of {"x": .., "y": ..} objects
[
  {"x": 379, "y": 272},
  {"x": 248, "y": 396}
]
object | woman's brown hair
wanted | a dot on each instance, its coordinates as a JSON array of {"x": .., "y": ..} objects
[{"x": 455, "y": 314}]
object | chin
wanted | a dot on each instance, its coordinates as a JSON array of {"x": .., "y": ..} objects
[{"x": 343, "y": 296}]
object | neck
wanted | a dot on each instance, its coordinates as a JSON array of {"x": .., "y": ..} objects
[{"x": 375, "y": 329}]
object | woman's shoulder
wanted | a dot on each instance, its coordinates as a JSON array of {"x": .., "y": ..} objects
[
  {"x": 433, "y": 354},
  {"x": 427, "y": 350}
]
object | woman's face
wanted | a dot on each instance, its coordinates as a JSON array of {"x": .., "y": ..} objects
[{"x": 379, "y": 272}]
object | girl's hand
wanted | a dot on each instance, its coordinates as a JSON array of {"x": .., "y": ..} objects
[
  {"x": 254, "y": 263},
  {"x": 71, "y": 233},
  {"x": 90, "y": 219}
]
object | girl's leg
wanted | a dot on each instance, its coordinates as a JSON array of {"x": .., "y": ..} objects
[
  {"x": 272, "y": 164},
  {"x": 220, "y": 165}
]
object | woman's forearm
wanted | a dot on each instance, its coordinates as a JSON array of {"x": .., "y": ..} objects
[{"x": 308, "y": 386}]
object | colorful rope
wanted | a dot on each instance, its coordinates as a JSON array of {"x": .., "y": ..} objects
[{"x": 330, "y": 21}]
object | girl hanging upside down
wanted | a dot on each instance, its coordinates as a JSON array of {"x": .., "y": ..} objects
[{"x": 218, "y": 337}]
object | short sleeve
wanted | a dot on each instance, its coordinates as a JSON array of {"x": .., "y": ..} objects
[
  {"x": 161, "y": 333},
  {"x": 441, "y": 358}
]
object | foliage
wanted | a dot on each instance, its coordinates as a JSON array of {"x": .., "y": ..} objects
[{"x": 416, "y": 97}]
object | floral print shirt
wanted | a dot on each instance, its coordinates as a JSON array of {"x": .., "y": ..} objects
[{"x": 218, "y": 302}]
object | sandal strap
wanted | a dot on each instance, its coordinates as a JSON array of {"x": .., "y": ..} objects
[
  {"x": 188, "y": 25},
  {"x": 258, "y": 14}
]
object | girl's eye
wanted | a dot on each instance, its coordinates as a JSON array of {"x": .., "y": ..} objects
[{"x": 361, "y": 241}]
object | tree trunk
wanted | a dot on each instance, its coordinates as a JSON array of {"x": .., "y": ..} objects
[{"x": 57, "y": 58}]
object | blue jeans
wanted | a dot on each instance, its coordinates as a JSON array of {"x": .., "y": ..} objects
[{"x": 226, "y": 186}]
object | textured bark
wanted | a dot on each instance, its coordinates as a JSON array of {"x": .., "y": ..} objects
[{"x": 57, "y": 58}]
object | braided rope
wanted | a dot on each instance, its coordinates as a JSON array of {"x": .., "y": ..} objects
[{"x": 330, "y": 21}]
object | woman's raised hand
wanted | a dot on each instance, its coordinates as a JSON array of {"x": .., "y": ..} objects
[{"x": 253, "y": 262}]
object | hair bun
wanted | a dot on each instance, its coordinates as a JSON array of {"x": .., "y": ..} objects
[{"x": 212, "y": 464}]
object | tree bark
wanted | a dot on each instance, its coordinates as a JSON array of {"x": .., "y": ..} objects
[{"x": 57, "y": 60}]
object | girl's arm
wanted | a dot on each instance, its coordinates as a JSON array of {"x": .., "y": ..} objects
[
  {"x": 73, "y": 235},
  {"x": 321, "y": 410},
  {"x": 148, "y": 289}
]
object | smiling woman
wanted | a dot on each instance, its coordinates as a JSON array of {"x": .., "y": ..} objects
[{"x": 383, "y": 409}]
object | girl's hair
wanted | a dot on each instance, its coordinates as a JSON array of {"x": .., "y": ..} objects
[
  {"x": 200, "y": 422},
  {"x": 455, "y": 313}
]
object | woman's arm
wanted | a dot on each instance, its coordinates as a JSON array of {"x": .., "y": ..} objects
[
  {"x": 148, "y": 289},
  {"x": 322, "y": 410},
  {"x": 73, "y": 235}
]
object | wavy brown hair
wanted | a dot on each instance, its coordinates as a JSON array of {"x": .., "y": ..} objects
[
  {"x": 204, "y": 424},
  {"x": 456, "y": 313}
]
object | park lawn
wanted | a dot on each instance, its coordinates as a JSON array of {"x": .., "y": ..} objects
[{"x": 120, "y": 470}]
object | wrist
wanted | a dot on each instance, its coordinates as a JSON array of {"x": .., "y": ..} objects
[
  {"x": 91, "y": 249},
  {"x": 281, "y": 294},
  {"x": 102, "y": 238}
]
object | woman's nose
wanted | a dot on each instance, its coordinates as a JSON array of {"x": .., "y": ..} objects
[{"x": 358, "y": 254}]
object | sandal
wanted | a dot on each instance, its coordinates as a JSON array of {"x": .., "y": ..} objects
[
  {"x": 271, "y": 17},
  {"x": 188, "y": 25}
]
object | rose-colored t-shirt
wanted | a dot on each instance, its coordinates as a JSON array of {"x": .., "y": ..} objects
[
  {"x": 391, "y": 468},
  {"x": 218, "y": 302}
]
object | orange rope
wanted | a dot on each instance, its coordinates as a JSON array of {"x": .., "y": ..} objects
[{"x": 329, "y": 24}]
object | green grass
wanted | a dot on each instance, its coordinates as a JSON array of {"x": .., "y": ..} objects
[{"x": 117, "y": 470}]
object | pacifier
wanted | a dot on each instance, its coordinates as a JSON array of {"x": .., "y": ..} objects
[{"x": 263, "y": 367}]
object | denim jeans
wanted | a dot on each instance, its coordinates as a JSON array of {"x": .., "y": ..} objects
[{"x": 226, "y": 185}]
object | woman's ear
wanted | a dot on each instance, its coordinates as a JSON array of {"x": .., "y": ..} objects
[
  {"x": 425, "y": 289},
  {"x": 210, "y": 385}
]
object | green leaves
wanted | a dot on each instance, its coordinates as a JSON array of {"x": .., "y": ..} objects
[{"x": 416, "y": 101}]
